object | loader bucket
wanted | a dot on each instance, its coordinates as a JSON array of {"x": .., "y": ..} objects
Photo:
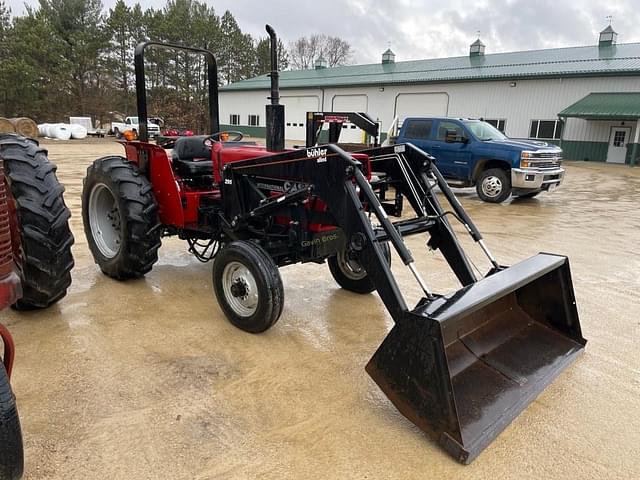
[{"x": 463, "y": 367}]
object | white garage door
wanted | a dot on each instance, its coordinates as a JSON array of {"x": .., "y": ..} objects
[
  {"x": 421, "y": 105},
  {"x": 350, "y": 103},
  {"x": 295, "y": 114}
]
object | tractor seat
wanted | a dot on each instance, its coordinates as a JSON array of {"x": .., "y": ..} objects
[{"x": 192, "y": 156}]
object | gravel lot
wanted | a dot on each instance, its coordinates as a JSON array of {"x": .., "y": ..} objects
[{"x": 147, "y": 379}]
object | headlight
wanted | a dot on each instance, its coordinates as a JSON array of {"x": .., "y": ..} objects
[{"x": 525, "y": 159}]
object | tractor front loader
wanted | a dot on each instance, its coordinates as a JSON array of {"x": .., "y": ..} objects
[{"x": 460, "y": 366}]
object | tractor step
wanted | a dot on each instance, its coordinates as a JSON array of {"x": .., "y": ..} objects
[{"x": 408, "y": 227}]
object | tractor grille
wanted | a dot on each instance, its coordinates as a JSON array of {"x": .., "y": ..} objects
[{"x": 6, "y": 264}]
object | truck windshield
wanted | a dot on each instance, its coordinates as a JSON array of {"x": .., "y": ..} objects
[{"x": 484, "y": 131}]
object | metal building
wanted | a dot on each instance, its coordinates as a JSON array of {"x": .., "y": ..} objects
[{"x": 587, "y": 99}]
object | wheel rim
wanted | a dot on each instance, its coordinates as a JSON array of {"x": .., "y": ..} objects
[
  {"x": 240, "y": 289},
  {"x": 350, "y": 266},
  {"x": 104, "y": 220},
  {"x": 492, "y": 186}
]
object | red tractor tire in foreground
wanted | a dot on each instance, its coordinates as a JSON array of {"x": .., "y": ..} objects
[
  {"x": 11, "y": 452},
  {"x": 40, "y": 222}
]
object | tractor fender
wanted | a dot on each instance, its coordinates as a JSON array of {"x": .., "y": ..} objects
[{"x": 154, "y": 163}]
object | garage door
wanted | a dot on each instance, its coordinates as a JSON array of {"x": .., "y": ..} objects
[
  {"x": 350, "y": 103},
  {"x": 295, "y": 114},
  {"x": 421, "y": 105}
]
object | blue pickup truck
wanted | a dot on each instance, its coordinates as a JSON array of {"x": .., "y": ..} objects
[{"x": 471, "y": 152}]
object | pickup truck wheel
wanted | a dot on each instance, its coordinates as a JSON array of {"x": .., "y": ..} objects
[
  {"x": 116, "y": 133},
  {"x": 349, "y": 274},
  {"x": 494, "y": 185}
]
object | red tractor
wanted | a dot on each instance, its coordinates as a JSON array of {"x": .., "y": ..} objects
[
  {"x": 35, "y": 262},
  {"x": 461, "y": 366}
]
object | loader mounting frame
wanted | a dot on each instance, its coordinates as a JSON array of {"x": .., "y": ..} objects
[{"x": 438, "y": 349}]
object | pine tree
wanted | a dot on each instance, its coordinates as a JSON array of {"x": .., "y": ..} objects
[
  {"x": 263, "y": 56},
  {"x": 80, "y": 25}
]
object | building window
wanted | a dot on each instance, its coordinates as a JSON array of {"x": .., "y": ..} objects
[
  {"x": 234, "y": 119},
  {"x": 619, "y": 138},
  {"x": 498, "y": 123},
  {"x": 419, "y": 129},
  {"x": 546, "y": 129},
  {"x": 254, "y": 120}
]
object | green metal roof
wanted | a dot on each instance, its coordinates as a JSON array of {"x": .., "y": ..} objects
[
  {"x": 616, "y": 105},
  {"x": 621, "y": 59}
]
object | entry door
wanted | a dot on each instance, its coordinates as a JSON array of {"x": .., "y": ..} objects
[{"x": 618, "y": 144}]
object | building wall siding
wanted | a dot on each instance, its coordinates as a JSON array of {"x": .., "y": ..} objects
[
  {"x": 536, "y": 99},
  {"x": 583, "y": 150}
]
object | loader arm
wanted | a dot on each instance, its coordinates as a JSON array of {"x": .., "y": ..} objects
[{"x": 460, "y": 366}]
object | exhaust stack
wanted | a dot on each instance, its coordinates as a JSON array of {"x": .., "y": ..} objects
[{"x": 275, "y": 111}]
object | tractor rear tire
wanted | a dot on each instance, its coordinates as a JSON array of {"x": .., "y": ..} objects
[
  {"x": 350, "y": 275},
  {"x": 120, "y": 217},
  {"x": 11, "y": 450},
  {"x": 248, "y": 286},
  {"x": 42, "y": 219}
]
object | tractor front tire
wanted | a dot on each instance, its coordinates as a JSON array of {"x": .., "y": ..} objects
[
  {"x": 248, "y": 286},
  {"x": 120, "y": 217},
  {"x": 11, "y": 451},
  {"x": 42, "y": 220},
  {"x": 349, "y": 274}
]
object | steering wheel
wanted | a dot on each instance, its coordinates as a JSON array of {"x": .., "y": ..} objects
[{"x": 220, "y": 136}]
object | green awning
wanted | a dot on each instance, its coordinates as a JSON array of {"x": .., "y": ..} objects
[{"x": 605, "y": 106}]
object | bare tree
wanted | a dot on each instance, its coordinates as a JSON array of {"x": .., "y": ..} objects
[
  {"x": 305, "y": 51},
  {"x": 336, "y": 51}
]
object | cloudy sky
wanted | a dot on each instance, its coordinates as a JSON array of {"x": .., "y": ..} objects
[{"x": 418, "y": 29}]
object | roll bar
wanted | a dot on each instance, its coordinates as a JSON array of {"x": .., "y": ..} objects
[{"x": 141, "y": 88}]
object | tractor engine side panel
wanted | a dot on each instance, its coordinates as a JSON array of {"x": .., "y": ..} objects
[{"x": 10, "y": 286}]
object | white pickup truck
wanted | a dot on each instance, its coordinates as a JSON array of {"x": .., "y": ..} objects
[{"x": 131, "y": 123}]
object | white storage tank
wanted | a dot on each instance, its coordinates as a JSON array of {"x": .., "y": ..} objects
[
  {"x": 59, "y": 131},
  {"x": 78, "y": 131},
  {"x": 43, "y": 129}
]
